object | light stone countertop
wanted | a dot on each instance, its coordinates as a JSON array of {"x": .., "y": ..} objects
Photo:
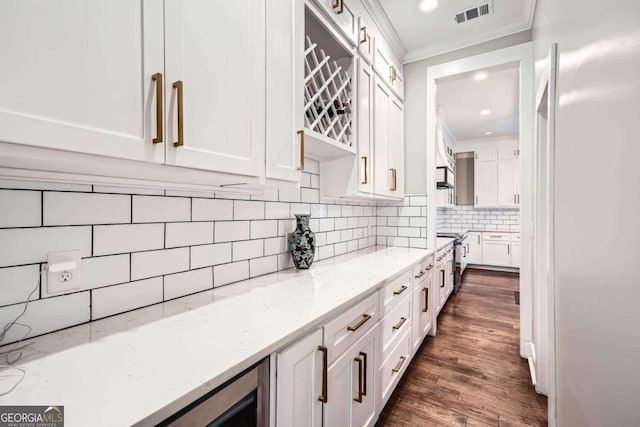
[
  {"x": 441, "y": 242},
  {"x": 141, "y": 367}
]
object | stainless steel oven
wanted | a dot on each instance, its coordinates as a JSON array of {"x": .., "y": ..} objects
[
  {"x": 459, "y": 257},
  {"x": 241, "y": 402}
]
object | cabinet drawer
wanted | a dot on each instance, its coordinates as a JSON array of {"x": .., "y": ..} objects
[
  {"x": 341, "y": 332},
  {"x": 343, "y": 15},
  {"x": 505, "y": 237},
  {"x": 394, "y": 292},
  {"x": 394, "y": 325},
  {"x": 394, "y": 366},
  {"x": 424, "y": 269},
  {"x": 515, "y": 237}
]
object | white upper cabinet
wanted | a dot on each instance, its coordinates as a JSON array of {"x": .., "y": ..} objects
[
  {"x": 507, "y": 192},
  {"x": 215, "y": 70},
  {"x": 388, "y": 68},
  {"x": 365, "y": 134},
  {"x": 77, "y": 76},
  {"x": 382, "y": 105},
  {"x": 284, "y": 90},
  {"x": 485, "y": 183},
  {"x": 396, "y": 147},
  {"x": 366, "y": 41},
  {"x": 343, "y": 13}
]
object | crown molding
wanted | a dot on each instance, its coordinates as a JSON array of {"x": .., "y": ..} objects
[
  {"x": 388, "y": 31},
  {"x": 437, "y": 48}
]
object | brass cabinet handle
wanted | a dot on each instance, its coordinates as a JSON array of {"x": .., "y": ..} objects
[
  {"x": 341, "y": 7},
  {"x": 393, "y": 73},
  {"x": 364, "y": 34},
  {"x": 365, "y": 318},
  {"x": 323, "y": 397},
  {"x": 401, "y": 290},
  {"x": 393, "y": 179},
  {"x": 399, "y": 364},
  {"x": 422, "y": 273},
  {"x": 400, "y": 323},
  {"x": 157, "y": 77},
  {"x": 364, "y": 167},
  {"x": 508, "y": 249},
  {"x": 426, "y": 299},
  {"x": 442, "y": 281},
  {"x": 364, "y": 373},
  {"x": 178, "y": 86},
  {"x": 301, "y": 165},
  {"x": 429, "y": 267},
  {"x": 359, "y": 397}
]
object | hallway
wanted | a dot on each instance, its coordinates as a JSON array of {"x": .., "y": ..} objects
[{"x": 470, "y": 374}]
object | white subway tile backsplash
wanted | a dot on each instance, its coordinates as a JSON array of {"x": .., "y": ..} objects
[
  {"x": 262, "y": 229},
  {"x": 326, "y": 224},
  {"x": 20, "y": 208},
  {"x": 315, "y": 181},
  {"x": 158, "y": 263},
  {"x": 247, "y": 249},
  {"x": 265, "y": 265},
  {"x": 16, "y": 283},
  {"x": 300, "y": 208},
  {"x": 276, "y": 210},
  {"x": 276, "y": 245},
  {"x": 334, "y": 210},
  {"x": 305, "y": 180},
  {"x": 161, "y": 209},
  {"x": 311, "y": 166},
  {"x": 285, "y": 261},
  {"x": 310, "y": 195},
  {"x": 128, "y": 296},
  {"x": 212, "y": 210},
  {"x": 229, "y": 273},
  {"x": 46, "y": 315},
  {"x": 207, "y": 255},
  {"x": 117, "y": 239},
  {"x": 128, "y": 190},
  {"x": 105, "y": 270},
  {"x": 189, "y": 282},
  {"x": 319, "y": 210},
  {"x": 248, "y": 209},
  {"x": 85, "y": 208},
  {"x": 37, "y": 185},
  {"x": 229, "y": 231},
  {"x": 188, "y": 233},
  {"x": 286, "y": 226},
  {"x": 289, "y": 194},
  {"x": 387, "y": 211},
  {"x": 333, "y": 237},
  {"x": 31, "y": 245}
]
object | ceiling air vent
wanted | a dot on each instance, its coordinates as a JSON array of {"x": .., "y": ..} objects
[{"x": 474, "y": 12}]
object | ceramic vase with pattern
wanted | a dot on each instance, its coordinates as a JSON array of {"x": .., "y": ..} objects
[{"x": 302, "y": 243}]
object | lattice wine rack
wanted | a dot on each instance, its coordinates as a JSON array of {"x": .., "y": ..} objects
[{"x": 327, "y": 95}]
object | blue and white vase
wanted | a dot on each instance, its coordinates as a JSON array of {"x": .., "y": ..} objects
[{"x": 302, "y": 243}]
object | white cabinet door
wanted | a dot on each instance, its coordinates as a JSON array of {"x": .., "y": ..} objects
[
  {"x": 474, "y": 248},
  {"x": 284, "y": 89},
  {"x": 485, "y": 182},
  {"x": 366, "y": 41},
  {"x": 396, "y": 147},
  {"x": 217, "y": 51},
  {"x": 421, "y": 311},
  {"x": 496, "y": 253},
  {"x": 344, "y": 15},
  {"x": 299, "y": 383},
  {"x": 515, "y": 254},
  {"x": 351, "y": 396},
  {"x": 365, "y": 136},
  {"x": 77, "y": 76},
  {"x": 381, "y": 107},
  {"x": 507, "y": 192}
]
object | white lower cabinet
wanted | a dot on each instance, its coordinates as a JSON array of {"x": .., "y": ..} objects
[
  {"x": 299, "y": 382},
  {"x": 515, "y": 254},
  {"x": 496, "y": 253},
  {"x": 474, "y": 248},
  {"x": 393, "y": 367},
  {"x": 421, "y": 311}
]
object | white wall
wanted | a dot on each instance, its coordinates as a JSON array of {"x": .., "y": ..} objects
[
  {"x": 483, "y": 144},
  {"x": 415, "y": 106},
  {"x": 597, "y": 227}
]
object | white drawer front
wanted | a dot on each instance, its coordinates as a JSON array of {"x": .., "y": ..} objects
[
  {"x": 394, "y": 366},
  {"x": 344, "y": 330},
  {"x": 515, "y": 237},
  {"x": 393, "y": 292},
  {"x": 496, "y": 236},
  {"x": 394, "y": 325},
  {"x": 424, "y": 269}
]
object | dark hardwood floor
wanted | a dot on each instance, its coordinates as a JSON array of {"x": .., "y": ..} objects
[{"x": 471, "y": 373}]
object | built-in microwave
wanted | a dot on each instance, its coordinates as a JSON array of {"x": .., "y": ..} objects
[{"x": 241, "y": 402}]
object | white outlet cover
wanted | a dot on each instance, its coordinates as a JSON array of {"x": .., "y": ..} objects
[{"x": 71, "y": 264}]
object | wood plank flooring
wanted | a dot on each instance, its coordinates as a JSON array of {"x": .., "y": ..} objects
[{"x": 471, "y": 373}]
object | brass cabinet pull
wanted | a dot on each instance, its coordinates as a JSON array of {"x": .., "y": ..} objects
[
  {"x": 323, "y": 397},
  {"x": 341, "y": 7},
  {"x": 364, "y": 34},
  {"x": 364, "y": 167},
  {"x": 178, "y": 86},
  {"x": 365, "y": 318},
  {"x": 359, "y": 397},
  {"x": 429, "y": 267},
  {"x": 400, "y": 323},
  {"x": 393, "y": 179},
  {"x": 335, "y": 4},
  {"x": 442, "y": 281},
  {"x": 301, "y": 165},
  {"x": 426, "y": 299},
  {"x": 401, "y": 290},
  {"x": 364, "y": 373},
  {"x": 514, "y": 199},
  {"x": 422, "y": 273},
  {"x": 399, "y": 364},
  {"x": 508, "y": 249},
  {"x": 157, "y": 77}
]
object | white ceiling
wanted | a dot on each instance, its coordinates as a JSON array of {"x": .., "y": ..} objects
[
  {"x": 431, "y": 33},
  {"x": 462, "y": 98}
]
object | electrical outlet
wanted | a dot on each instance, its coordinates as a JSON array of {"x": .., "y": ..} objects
[{"x": 64, "y": 273}]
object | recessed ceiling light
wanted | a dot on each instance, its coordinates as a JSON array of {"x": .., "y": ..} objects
[
  {"x": 480, "y": 76},
  {"x": 485, "y": 112},
  {"x": 428, "y": 5},
  {"x": 488, "y": 133}
]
